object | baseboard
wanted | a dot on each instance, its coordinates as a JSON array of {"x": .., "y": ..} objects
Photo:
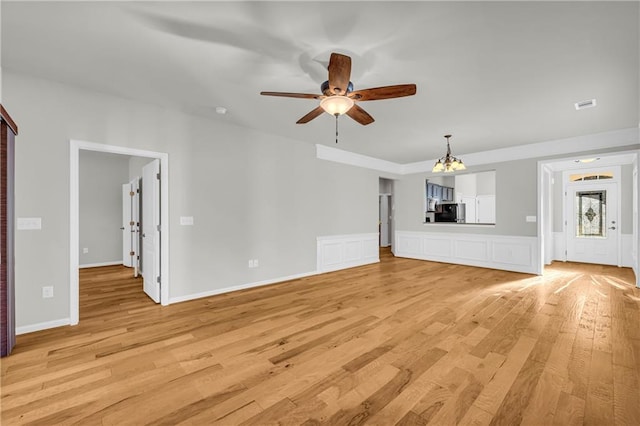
[
  {"x": 239, "y": 287},
  {"x": 42, "y": 326},
  {"x": 508, "y": 253},
  {"x": 337, "y": 252},
  {"x": 97, "y": 265}
]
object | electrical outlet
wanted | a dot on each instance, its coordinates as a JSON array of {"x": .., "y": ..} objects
[
  {"x": 47, "y": 292},
  {"x": 255, "y": 263},
  {"x": 85, "y": 250},
  {"x": 250, "y": 263}
]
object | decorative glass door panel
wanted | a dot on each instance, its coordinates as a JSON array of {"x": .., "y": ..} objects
[{"x": 591, "y": 212}]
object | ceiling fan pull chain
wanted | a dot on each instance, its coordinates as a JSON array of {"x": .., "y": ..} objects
[{"x": 336, "y": 128}]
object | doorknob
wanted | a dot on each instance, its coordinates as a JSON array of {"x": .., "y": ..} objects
[
  {"x": 612, "y": 227},
  {"x": 122, "y": 228},
  {"x": 143, "y": 235}
]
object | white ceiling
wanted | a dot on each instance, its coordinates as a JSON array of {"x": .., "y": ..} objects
[{"x": 493, "y": 74}]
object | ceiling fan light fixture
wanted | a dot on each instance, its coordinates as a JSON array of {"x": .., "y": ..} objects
[
  {"x": 448, "y": 163},
  {"x": 336, "y": 105}
]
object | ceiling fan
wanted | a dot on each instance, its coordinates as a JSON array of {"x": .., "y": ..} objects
[{"x": 338, "y": 96}]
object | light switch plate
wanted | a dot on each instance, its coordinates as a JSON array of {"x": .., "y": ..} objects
[
  {"x": 29, "y": 223},
  {"x": 531, "y": 218},
  {"x": 186, "y": 220}
]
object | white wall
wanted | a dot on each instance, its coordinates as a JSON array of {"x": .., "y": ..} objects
[
  {"x": 101, "y": 177},
  {"x": 252, "y": 195}
]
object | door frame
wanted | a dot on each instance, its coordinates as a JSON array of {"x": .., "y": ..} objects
[
  {"x": 567, "y": 163},
  {"x": 387, "y": 196},
  {"x": 74, "y": 216}
]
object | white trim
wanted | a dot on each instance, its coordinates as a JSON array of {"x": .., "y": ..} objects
[
  {"x": 215, "y": 292},
  {"x": 559, "y": 247},
  {"x": 335, "y": 252},
  {"x": 508, "y": 253},
  {"x": 74, "y": 202},
  {"x": 100, "y": 264},
  {"x": 627, "y": 259},
  {"x": 42, "y": 326},
  {"x": 606, "y": 140}
]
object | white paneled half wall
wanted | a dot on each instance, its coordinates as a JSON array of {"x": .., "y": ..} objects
[
  {"x": 508, "y": 253},
  {"x": 346, "y": 251}
]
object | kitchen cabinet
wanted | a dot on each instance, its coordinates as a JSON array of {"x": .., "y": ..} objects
[
  {"x": 447, "y": 193},
  {"x": 441, "y": 193}
]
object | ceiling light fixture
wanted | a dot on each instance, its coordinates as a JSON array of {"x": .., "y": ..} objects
[
  {"x": 587, "y": 160},
  {"x": 336, "y": 105},
  {"x": 448, "y": 163}
]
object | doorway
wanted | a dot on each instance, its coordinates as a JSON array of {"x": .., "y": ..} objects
[
  {"x": 586, "y": 210},
  {"x": 162, "y": 227},
  {"x": 385, "y": 213},
  {"x": 592, "y": 229}
]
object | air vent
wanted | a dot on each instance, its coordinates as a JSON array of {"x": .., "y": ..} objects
[{"x": 585, "y": 104}]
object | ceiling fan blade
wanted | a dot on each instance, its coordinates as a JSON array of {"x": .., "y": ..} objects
[
  {"x": 293, "y": 95},
  {"x": 360, "y": 115},
  {"x": 311, "y": 115},
  {"x": 386, "y": 92},
  {"x": 339, "y": 73}
]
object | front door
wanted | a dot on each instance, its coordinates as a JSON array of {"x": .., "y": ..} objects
[
  {"x": 151, "y": 230},
  {"x": 592, "y": 223}
]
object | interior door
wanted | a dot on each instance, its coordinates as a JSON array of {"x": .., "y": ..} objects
[
  {"x": 127, "y": 227},
  {"x": 592, "y": 223},
  {"x": 151, "y": 229}
]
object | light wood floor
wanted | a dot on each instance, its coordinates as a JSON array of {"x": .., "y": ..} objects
[{"x": 401, "y": 342}]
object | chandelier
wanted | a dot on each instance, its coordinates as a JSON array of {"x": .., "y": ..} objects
[{"x": 448, "y": 163}]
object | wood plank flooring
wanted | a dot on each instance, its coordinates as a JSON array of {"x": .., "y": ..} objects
[{"x": 403, "y": 342}]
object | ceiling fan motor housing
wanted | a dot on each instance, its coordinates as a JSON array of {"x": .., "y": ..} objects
[{"x": 324, "y": 88}]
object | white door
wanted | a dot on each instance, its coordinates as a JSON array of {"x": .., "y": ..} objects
[
  {"x": 151, "y": 229},
  {"x": 592, "y": 223},
  {"x": 470, "y": 209},
  {"x": 127, "y": 227},
  {"x": 385, "y": 230}
]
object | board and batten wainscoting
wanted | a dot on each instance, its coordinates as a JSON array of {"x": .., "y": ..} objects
[
  {"x": 508, "y": 253},
  {"x": 347, "y": 251}
]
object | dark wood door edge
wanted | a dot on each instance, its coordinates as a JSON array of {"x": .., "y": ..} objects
[{"x": 6, "y": 117}]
